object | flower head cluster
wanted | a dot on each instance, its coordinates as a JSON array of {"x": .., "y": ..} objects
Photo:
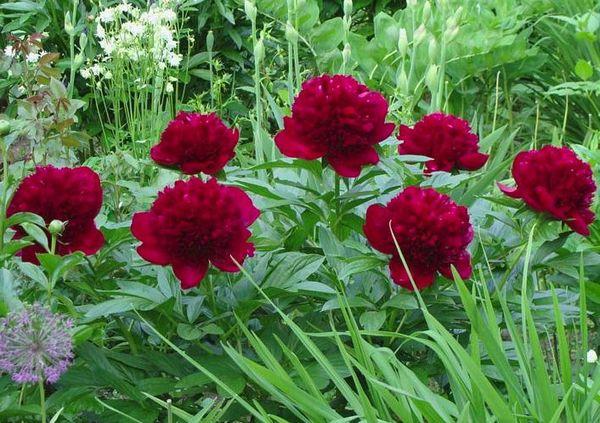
[
  {"x": 194, "y": 223},
  {"x": 71, "y": 195},
  {"x": 196, "y": 143},
  {"x": 555, "y": 181},
  {"x": 127, "y": 32},
  {"x": 432, "y": 232},
  {"x": 35, "y": 344},
  {"x": 447, "y": 139},
  {"x": 337, "y": 118}
]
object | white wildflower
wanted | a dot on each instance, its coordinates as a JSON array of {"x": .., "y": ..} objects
[
  {"x": 32, "y": 57},
  {"x": 85, "y": 73},
  {"x": 10, "y": 51},
  {"x": 164, "y": 33},
  {"x": 169, "y": 15},
  {"x": 592, "y": 357},
  {"x": 174, "y": 59},
  {"x": 171, "y": 44},
  {"x": 124, "y": 7},
  {"x": 169, "y": 87},
  {"x": 135, "y": 28},
  {"x": 108, "y": 46},
  {"x": 150, "y": 17},
  {"x": 96, "y": 69},
  {"x": 161, "y": 65},
  {"x": 100, "y": 32},
  {"x": 107, "y": 15}
]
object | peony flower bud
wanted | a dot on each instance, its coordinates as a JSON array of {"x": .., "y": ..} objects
[
  {"x": 250, "y": 9},
  {"x": 432, "y": 49},
  {"x": 290, "y": 33},
  {"x": 259, "y": 51},
  {"x": 347, "y": 7},
  {"x": 431, "y": 77},
  {"x": 346, "y": 53},
  {"x": 4, "y": 127},
  {"x": 402, "y": 82},
  {"x": 402, "y": 42},
  {"x": 56, "y": 227},
  {"x": 426, "y": 12},
  {"x": 210, "y": 41},
  {"x": 419, "y": 35}
]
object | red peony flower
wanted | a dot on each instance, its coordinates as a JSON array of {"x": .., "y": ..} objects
[
  {"x": 196, "y": 143},
  {"x": 447, "y": 139},
  {"x": 433, "y": 232},
  {"x": 337, "y": 118},
  {"x": 194, "y": 223},
  {"x": 72, "y": 195},
  {"x": 554, "y": 180}
]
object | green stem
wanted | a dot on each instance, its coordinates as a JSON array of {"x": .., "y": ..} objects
[{"x": 42, "y": 400}]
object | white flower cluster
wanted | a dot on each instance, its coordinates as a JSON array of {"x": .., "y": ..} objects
[
  {"x": 127, "y": 32},
  {"x": 31, "y": 57}
]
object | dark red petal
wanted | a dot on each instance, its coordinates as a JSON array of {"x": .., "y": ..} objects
[
  {"x": 511, "y": 192},
  {"x": 190, "y": 274},
  {"x": 579, "y": 225},
  {"x": 87, "y": 238},
  {"x": 154, "y": 254},
  {"x": 377, "y": 230},
  {"x": 143, "y": 226},
  {"x": 163, "y": 156},
  {"x": 348, "y": 164},
  {"x": 239, "y": 253},
  {"x": 293, "y": 145},
  {"x": 473, "y": 161},
  {"x": 421, "y": 276},
  {"x": 193, "y": 168}
]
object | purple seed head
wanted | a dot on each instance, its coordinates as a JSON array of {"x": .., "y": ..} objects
[{"x": 35, "y": 344}]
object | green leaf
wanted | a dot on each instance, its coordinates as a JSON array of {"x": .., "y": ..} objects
[
  {"x": 372, "y": 320},
  {"x": 583, "y": 69},
  {"x": 328, "y": 35}
]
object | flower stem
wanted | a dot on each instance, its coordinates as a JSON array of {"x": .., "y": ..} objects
[
  {"x": 337, "y": 195},
  {"x": 42, "y": 400}
]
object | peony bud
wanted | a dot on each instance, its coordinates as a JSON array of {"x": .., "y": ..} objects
[
  {"x": 451, "y": 33},
  {"x": 4, "y": 127},
  {"x": 419, "y": 35},
  {"x": 69, "y": 25},
  {"x": 402, "y": 82},
  {"x": 431, "y": 77},
  {"x": 210, "y": 41},
  {"x": 290, "y": 33},
  {"x": 432, "y": 49},
  {"x": 56, "y": 227},
  {"x": 346, "y": 53},
  {"x": 402, "y": 42},
  {"x": 347, "y": 7},
  {"x": 426, "y": 12},
  {"x": 250, "y": 9},
  {"x": 259, "y": 51},
  {"x": 83, "y": 39}
]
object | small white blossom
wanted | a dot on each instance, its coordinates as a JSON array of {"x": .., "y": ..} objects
[
  {"x": 171, "y": 44},
  {"x": 107, "y": 15},
  {"x": 124, "y": 7},
  {"x": 108, "y": 46},
  {"x": 174, "y": 59},
  {"x": 9, "y": 51},
  {"x": 162, "y": 66},
  {"x": 592, "y": 357},
  {"x": 135, "y": 28},
  {"x": 150, "y": 17},
  {"x": 96, "y": 69},
  {"x": 85, "y": 73},
  {"x": 169, "y": 87},
  {"x": 32, "y": 57},
  {"x": 100, "y": 32},
  {"x": 169, "y": 15},
  {"x": 164, "y": 33}
]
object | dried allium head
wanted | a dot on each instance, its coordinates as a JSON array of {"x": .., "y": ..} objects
[{"x": 35, "y": 343}]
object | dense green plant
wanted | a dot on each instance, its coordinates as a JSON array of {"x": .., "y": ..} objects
[{"x": 311, "y": 329}]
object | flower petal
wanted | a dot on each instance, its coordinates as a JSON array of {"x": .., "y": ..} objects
[
  {"x": 421, "y": 276},
  {"x": 190, "y": 274},
  {"x": 377, "y": 230}
]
